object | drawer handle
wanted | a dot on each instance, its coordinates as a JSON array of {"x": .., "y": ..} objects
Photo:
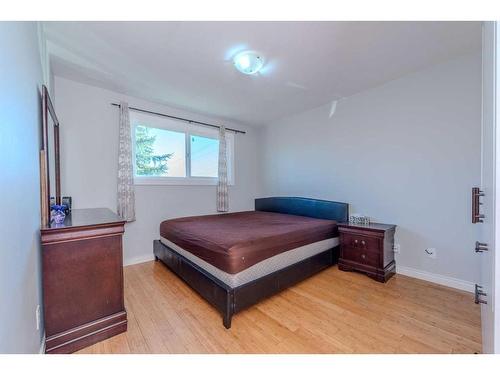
[
  {"x": 363, "y": 256},
  {"x": 363, "y": 243}
]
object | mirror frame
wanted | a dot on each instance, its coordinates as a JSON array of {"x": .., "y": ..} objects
[{"x": 48, "y": 110}]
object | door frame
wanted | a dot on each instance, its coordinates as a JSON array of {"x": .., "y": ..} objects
[{"x": 496, "y": 258}]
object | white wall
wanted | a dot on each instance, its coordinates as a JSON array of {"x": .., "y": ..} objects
[
  {"x": 20, "y": 124},
  {"x": 406, "y": 153},
  {"x": 89, "y": 149}
]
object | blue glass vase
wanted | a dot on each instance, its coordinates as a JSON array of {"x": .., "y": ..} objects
[{"x": 57, "y": 213}]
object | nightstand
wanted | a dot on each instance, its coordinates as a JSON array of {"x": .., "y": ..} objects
[{"x": 368, "y": 249}]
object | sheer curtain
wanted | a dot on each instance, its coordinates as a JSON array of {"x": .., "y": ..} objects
[
  {"x": 222, "y": 193},
  {"x": 126, "y": 193}
]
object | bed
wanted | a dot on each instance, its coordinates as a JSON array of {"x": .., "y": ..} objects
[{"x": 235, "y": 260}]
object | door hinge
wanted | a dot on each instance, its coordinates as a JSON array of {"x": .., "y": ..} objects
[
  {"x": 476, "y": 216},
  {"x": 480, "y": 247},
  {"x": 478, "y": 292}
]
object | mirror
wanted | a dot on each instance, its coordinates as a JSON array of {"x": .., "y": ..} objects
[{"x": 50, "y": 173}]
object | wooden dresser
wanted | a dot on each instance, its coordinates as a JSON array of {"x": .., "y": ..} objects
[
  {"x": 368, "y": 249},
  {"x": 83, "y": 280}
]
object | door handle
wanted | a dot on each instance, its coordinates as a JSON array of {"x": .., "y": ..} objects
[
  {"x": 480, "y": 247},
  {"x": 478, "y": 292}
]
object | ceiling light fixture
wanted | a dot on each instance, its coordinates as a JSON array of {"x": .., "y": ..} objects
[{"x": 248, "y": 62}]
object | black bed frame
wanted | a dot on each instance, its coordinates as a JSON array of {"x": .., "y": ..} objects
[{"x": 230, "y": 301}]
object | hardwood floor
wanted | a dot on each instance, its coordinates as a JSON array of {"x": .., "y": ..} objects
[{"x": 332, "y": 312}]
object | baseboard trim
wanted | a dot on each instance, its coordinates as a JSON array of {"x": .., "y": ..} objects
[
  {"x": 137, "y": 260},
  {"x": 435, "y": 278}
]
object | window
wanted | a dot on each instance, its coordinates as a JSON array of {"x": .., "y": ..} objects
[
  {"x": 204, "y": 156},
  {"x": 159, "y": 152},
  {"x": 168, "y": 151}
]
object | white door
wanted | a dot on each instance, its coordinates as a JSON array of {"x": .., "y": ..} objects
[{"x": 488, "y": 166}]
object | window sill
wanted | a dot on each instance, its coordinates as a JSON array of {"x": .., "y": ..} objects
[{"x": 180, "y": 181}]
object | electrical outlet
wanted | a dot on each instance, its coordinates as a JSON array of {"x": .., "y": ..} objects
[
  {"x": 431, "y": 252},
  {"x": 37, "y": 315},
  {"x": 396, "y": 248}
]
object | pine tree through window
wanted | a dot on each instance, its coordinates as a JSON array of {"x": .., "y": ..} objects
[{"x": 172, "y": 152}]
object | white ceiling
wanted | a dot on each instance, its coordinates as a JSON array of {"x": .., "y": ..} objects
[{"x": 188, "y": 64}]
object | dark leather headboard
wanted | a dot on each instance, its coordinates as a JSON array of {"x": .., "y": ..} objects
[{"x": 316, "y": 208}]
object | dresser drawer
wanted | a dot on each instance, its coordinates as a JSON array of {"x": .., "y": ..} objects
[
  {"x": 360, "y": 242},
  {"x": 362, "y": 256}
]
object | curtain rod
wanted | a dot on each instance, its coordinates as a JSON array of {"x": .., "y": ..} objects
[{"x": 180, "y": 118}]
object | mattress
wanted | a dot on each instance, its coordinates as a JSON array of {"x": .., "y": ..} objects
[
  {"x": 259, "y": 269},
  {"x": 236, "y": 241}
]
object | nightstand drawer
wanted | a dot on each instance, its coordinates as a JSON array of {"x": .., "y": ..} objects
[
  {"x": 359, "y": 255},
  {"x": 362, "y": 243},
  {"x": 368, "y": 249}
]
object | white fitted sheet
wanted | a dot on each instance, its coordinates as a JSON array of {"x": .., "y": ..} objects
[{"x": 260, "y": 269}]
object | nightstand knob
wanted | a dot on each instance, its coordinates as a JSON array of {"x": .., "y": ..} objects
[
  {"x": 363, "y": 243},
  {"x": 363, "y": 256},
  {"x": 355, "y": 241}
]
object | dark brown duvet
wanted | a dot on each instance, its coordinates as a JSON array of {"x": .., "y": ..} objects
[{"x": 233, "y": 242}]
